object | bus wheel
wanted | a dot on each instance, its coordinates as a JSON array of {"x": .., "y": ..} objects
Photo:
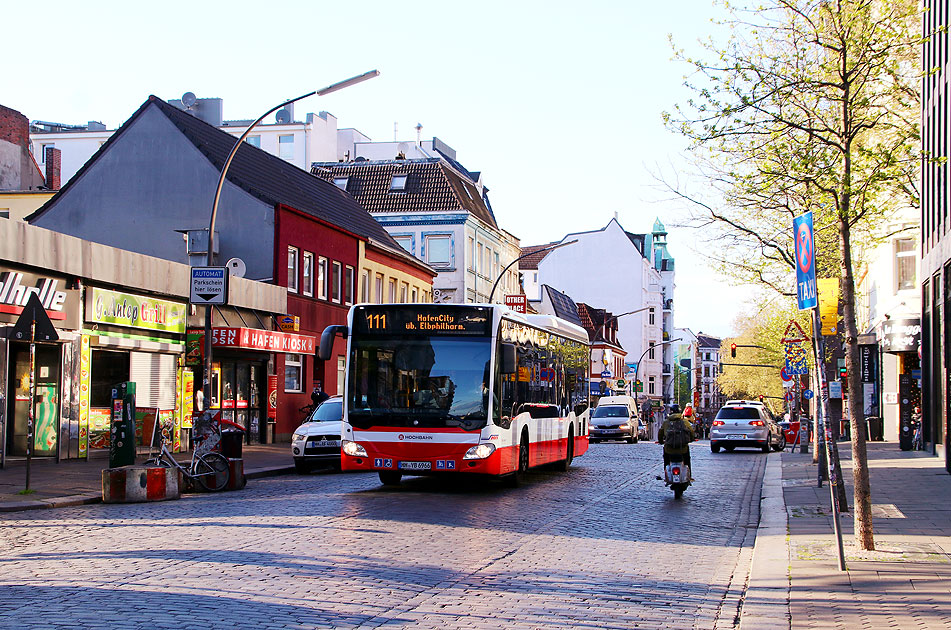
[
  {"x": 570, "y": 455},
  {"x": 516, "y": 477},
  {"x": 390, "y": 478}
]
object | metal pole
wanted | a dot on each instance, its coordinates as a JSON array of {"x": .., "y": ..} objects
[
  {"x": 506, "y": 268},
  {"x": 834, "y": 471},
  {"x": 209, "y": 362},
  {"x": 31, "y": 417}
]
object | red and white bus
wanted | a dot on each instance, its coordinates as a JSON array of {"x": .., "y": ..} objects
[{"x": 461, "y": 388}]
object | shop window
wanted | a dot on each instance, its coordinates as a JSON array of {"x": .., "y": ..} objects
[
  {"x": 107, "y": 369},
  {"x": 322, "y": 278},
  {"x": 348, "y": 286},
  {"x": 335, "y": 282},
  {"x": 293, "y": 369},
  {"x": 307, "y": 271},
  {"x": 292, "y": 269}
]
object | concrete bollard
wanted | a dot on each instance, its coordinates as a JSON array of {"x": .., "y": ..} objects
[{"x": 134, "y": 484}]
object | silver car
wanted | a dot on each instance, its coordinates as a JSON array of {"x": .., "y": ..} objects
[
  {"x": 745, "y": 424},
  {"x": 613, "y": 422},
  {"x": 317, "y": 440}
]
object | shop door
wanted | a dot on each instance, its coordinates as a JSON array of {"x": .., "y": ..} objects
[
  {"x": 46, "y": 410},
  {"x": 241, "y": 397}
]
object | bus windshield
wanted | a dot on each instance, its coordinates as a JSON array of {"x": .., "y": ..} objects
[{"x": 419, "y": 381}]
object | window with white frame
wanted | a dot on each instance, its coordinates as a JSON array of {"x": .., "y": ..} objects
[
  {"x": 286, "y": 147},
  {"x": 292, "y": 269},
  {"x": 479, "y": 267},
  {"x": 439, "y": 250},
  {"x": 43, "y": 148},
  {"x": 415, "y": 295},
  {"x": 405, "y": 241},
  {"x": 650, "y": 384},
  {"x": 378, "y": 288},
  {"x": 307, "y": 273},
  {"x": 348, "y": 285},
  {"x": 335, "y": 282},
  {"x": 341, "y": 182},
  {"x": 365, "y": 286},
  {"x": 650, "y": 353},
  {"x": 495, "y": 267},
  {"x": 293, "y": 369},
  {"x": 650, "y": 317},
  {"x": 404, "y": 292},
  {"x": 322, "y": 278},
  {"x": 392, "y": 290},
  {"x": 254, "y": 141},
  {"x": 398, "y": 184},
  {"x": 905, "y": 259},
  {"x": 470, "y": 259}
]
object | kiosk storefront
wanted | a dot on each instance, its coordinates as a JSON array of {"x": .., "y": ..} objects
[
  {"x": 62, "y": 305},
  {"x": 243, "y": 359},
  {"x": 140, "y": 338}
]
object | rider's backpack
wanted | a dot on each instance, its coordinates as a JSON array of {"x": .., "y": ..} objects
[{"x": 676, "y": 436}]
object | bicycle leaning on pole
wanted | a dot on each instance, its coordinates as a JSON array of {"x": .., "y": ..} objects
[{"x": 208, "y": 468}]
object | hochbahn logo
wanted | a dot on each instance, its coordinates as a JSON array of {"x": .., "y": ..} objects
[{"x": 414, "y": 436}]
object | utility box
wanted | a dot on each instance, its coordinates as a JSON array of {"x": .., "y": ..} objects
[{"x": 122, "y": 429}]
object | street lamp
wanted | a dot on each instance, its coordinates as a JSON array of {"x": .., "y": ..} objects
[
  {"x": 543, "y": 249},
  {"x": 206, "y": 381},
  {"x": 638, "y": 366}
]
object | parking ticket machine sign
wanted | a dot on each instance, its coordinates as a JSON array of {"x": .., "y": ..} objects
[{"x": 806, "y": 294}]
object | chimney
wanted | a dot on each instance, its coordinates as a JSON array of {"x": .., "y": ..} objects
[{"x": 53, "y": 160}]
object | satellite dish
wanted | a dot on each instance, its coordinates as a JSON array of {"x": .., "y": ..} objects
[
  {"x": 404, "y": 147},
  {"x": 189, "y": 99},
  {"x": 236, "y": 267},
  {"x": 283, "y": 116}
]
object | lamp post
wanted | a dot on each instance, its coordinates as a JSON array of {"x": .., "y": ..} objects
[
  {"x": 544, "y": 249},
  {"x": 638, "y": 366},
  {"x": 614, "y": 317},
  {"x": 206, "y": 381}
]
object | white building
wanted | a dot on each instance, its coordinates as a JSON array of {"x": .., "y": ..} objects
[{"x": 621, "y": 272}]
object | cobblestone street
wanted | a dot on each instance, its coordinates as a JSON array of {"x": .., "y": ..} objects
[{"x": 602, "y": 546}]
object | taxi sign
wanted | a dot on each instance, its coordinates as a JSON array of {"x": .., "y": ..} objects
[{"x": 209, "y": 285}]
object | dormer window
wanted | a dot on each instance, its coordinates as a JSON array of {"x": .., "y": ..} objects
[
  {"x": 341, "y": 182},
  {"x": 398, "y": 183}
]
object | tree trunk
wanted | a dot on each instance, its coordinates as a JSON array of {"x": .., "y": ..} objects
[{"x": 862, "y": 495}]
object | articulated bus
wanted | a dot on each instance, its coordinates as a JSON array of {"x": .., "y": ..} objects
[{"x": 460, "y": 388}]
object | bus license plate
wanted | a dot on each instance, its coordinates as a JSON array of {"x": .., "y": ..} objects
[{"x": 416, "y": 465}]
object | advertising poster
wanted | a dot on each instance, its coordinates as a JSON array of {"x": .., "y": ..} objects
[
  {"x": 272, "y": 396},
  {"x": 829, "y": 305},
  {"x": 85, "y": 357}
]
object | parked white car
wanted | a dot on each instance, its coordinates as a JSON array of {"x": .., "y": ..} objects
[{"x": 317, "y": 440}]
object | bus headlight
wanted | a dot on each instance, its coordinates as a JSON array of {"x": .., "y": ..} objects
[
  {"x": 480, "y": 451},
  {"x": 353, "y": 449}
]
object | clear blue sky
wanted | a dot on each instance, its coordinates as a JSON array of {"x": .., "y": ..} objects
[{"x": 557, "y": 103}]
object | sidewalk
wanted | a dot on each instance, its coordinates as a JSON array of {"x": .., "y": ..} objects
[
  {"x": 75, "y": 482},
  {"x": 904, "y": 583}
]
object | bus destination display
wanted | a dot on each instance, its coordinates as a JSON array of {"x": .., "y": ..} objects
[{"x": 422, "y": 321}]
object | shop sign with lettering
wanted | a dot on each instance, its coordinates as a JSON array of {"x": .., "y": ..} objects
[
  {"x": 267, "y": 340},
  {"x": 134, "y": 311},
  {"x": 60, "y": 304}
]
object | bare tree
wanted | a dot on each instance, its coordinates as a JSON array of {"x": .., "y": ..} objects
[{"x": 810, "y": 105}]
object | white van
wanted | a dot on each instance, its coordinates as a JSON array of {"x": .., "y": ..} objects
[{"x": 620, "y": 400}]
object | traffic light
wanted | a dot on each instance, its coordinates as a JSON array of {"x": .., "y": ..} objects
[
  {"x": 733, "y": 350},
  {"x": 842, "y": 373},
  {"x": 761, "y": 399}
]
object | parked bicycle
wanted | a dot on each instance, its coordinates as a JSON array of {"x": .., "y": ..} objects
[{"x": 208, "y": 468}]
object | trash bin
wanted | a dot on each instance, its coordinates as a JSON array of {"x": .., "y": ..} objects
[
  {"x": 231, "y": 443},
  {"x": 876, "y": 428}
]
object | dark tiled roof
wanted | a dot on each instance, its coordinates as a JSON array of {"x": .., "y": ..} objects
[
  {"x": 534, "y": 256},
  {"x": 564, "y": 306},
  {"x": 708, "y": 341},
  {"x": 593, "y": 320},
  {"x": 637, "y": 240},
  {"x": 262, "y": 175},
  {"x": 432, "y": 185}
]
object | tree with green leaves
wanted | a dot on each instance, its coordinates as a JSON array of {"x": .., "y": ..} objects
[{"x": 810, "y": 105}]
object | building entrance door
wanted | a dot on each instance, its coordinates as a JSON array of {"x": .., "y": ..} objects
[{"x": 46, "y": 409}]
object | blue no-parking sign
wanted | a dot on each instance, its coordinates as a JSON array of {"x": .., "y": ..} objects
[{"x": 806, "y": 294}]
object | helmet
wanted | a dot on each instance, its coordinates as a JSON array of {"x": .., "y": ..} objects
[{"x": 675, "y": 408}]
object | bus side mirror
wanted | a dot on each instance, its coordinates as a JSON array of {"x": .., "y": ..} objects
[
  {"x": 327, "y": 341},
  {"x": 507, "y": 360}
]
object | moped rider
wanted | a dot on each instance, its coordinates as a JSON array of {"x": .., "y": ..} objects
[{"x": 681, "y": 453}]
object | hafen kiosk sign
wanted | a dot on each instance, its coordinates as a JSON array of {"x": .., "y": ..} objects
[{"x": 134, "y": 311}]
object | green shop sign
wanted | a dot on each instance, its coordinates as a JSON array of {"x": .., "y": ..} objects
[{"x": 135, "y": 311}]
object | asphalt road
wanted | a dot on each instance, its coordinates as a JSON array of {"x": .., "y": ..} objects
[{"x": 604, "y": 545}]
